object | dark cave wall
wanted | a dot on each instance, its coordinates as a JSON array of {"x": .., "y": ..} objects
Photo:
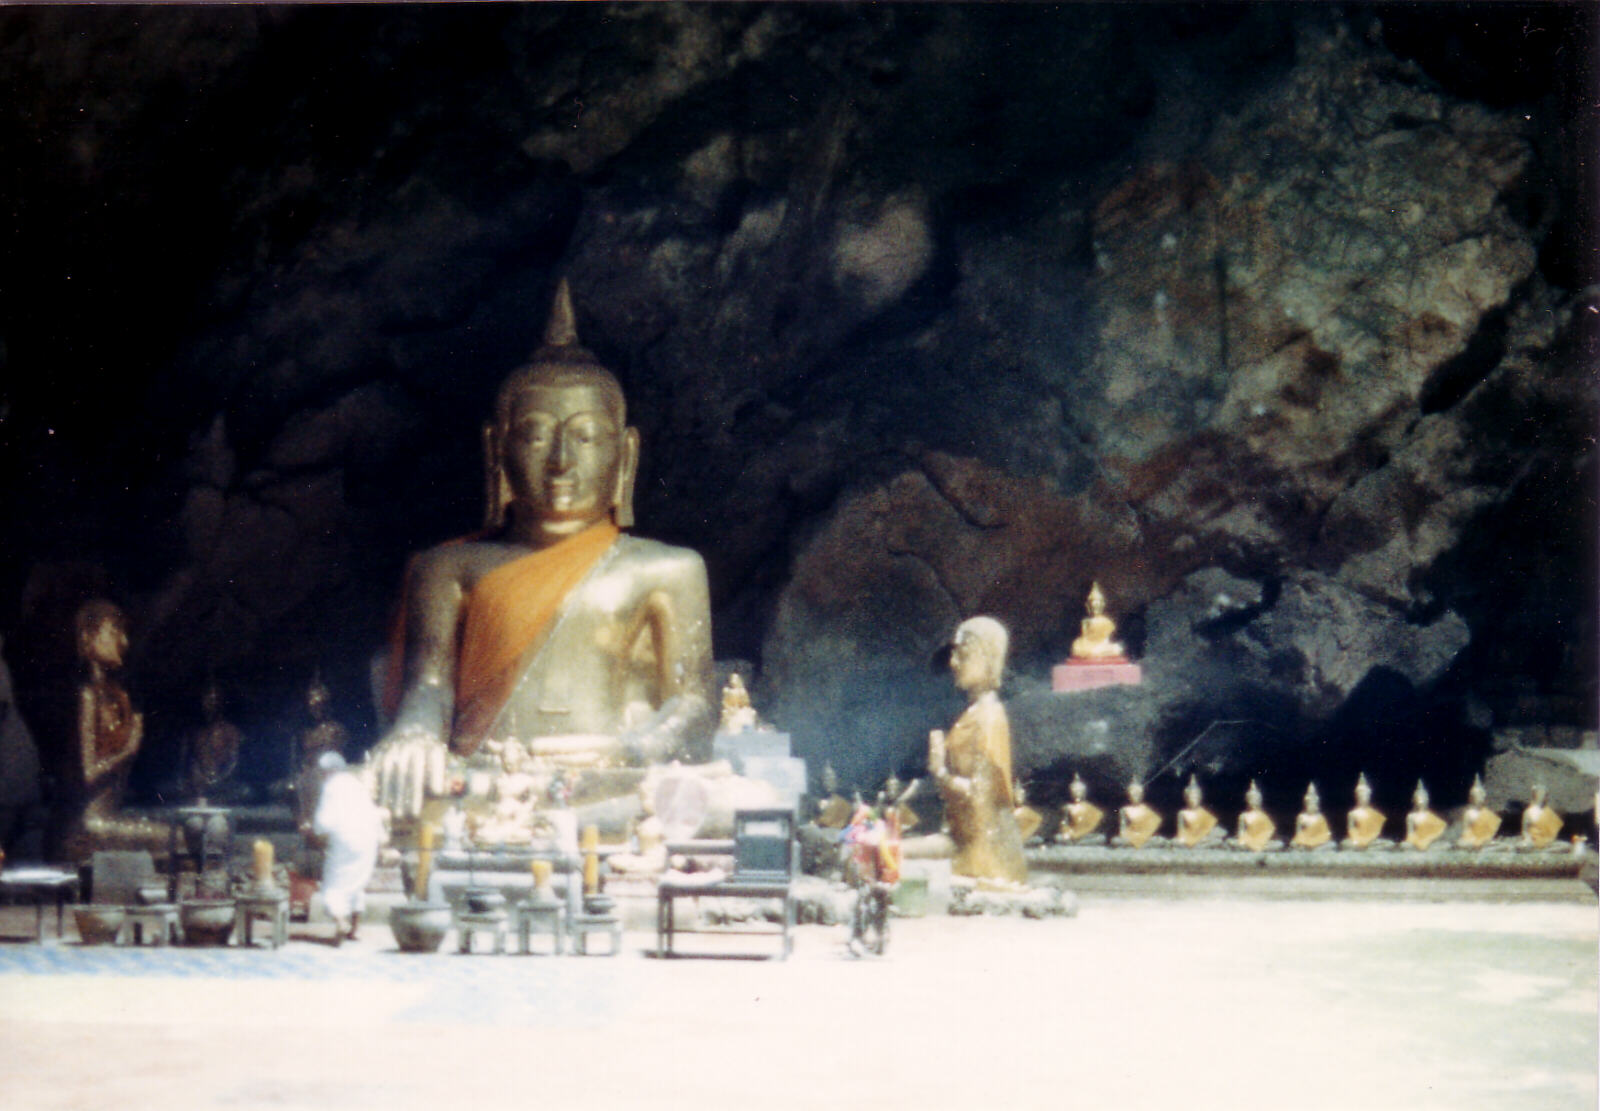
[{"x": 922, "y": 311}]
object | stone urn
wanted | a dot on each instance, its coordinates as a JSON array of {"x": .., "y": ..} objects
[
  {"x": 419, "y": 927},
  {"x": 206, "y": 921},
  {"x": 99, "y": 924}
]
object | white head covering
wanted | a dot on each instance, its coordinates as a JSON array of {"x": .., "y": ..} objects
[{"x": 331, "y": 762}]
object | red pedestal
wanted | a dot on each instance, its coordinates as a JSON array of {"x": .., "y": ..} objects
[{"x": 1086, "y": 675}]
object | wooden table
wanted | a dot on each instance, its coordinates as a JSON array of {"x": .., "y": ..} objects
[
  {"x": 36, "y": 884},
  {"x": 732, "y": 887}
]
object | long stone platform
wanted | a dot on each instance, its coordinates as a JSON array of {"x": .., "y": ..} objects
[{"x": 1371, "y": 863}]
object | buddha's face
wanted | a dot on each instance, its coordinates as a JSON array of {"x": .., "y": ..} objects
[
  {"x": 1476, "y": 795},
  {"x": 971, "y": 664},
  {"x": 562, "y": 454},
  {"x": 511, "y": 758},
  {"x": 105, "y": 643},
  {"x": 1363, "y": 794},
  {"x": 1080, "y": 790},
  {"x": 1419, "y": 799},
  {"x": 1191, "y": 796},
  {"x": 1313, "y": 804},
  {"x": 1252, "y": 799},
  {"x": 1135, "y": 793}
]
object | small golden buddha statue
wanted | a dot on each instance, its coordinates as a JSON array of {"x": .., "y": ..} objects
[
  {"x": 1540, "y": 822},
  {"x": 514, "y": 798},
  {"x": 1311, "y": 832},
  {"x": 1255, "y": 828},
  {"x": 899, "y": 797},
  {"x": 109, "y": 732},
  {"x": 1423, "y": 826},
  {"x": 1028, "y": 819},
  {"x": 1080, "y": 818},
  {"x": 1095, "y": 643},
  {"x": 649, "y": 855},
  {"x": 597, "y": 641},
  {"x": 738, "y": 715},
  {"x": 1197, "y": 826},
  {"x": 214, "y": 753},
  {"x": 1479, "y": 824},
  {"x": 1364, "y": 822},
  {"x": 834, "y": 811},
  {"x": 972, "y": 764},
  {"x": 1137, "y": 822}
]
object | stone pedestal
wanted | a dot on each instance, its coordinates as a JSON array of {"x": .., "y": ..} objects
[{"x": 1088, "y": 675}]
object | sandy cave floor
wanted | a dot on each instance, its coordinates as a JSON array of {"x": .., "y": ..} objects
[{"x": 1211, "y": 1002}]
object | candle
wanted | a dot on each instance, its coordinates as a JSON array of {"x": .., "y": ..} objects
[
  {"x": 263, "y": 863},
  {"x": 591, "y": 859},
  {"x": 541, "y": 875},
  {"x": 419, "y": 885}
]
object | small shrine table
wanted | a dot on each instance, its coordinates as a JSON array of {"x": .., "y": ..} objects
[{"x": 36, "y": 885}]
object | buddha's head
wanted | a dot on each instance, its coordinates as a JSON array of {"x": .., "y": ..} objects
[
  {"x": 1136, "y": 793},
  {"x": 1419, "y": 797},
  {"x": 211, "y": 702},
  {"x": 1252, "y": 796},
  {"x": 559, "y": 453},
  {"x": 1476, "y": 794},
  {"x": 1363, "y": 792},
  {"x": 1096, "y": 601},
  {"x": 102, "y": 633},
  {"x": 1191, "y": 793},
  {"x": 1540, "y": 793},
  {"x": 317, "y": 697},
  {"x": 512, "y": 756},
  {"x": 1313, "y": 802},
  {"x": 1079, "y": 789},
  {"x": 978, "y": 654}
]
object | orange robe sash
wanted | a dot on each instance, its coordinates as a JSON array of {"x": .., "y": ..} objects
[{"x": 504, "y": 621}]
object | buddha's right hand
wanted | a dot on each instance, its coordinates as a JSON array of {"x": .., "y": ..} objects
[{"x": 404, "y": 768}]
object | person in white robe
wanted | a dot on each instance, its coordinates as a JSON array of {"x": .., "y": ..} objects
[{"x": 352, "y": 830}]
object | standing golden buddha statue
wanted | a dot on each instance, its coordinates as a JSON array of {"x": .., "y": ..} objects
[
  {"x": 598, "y": 643},
  {"x": 109, "y": 732},
  {"x": 972, "y": 764}
]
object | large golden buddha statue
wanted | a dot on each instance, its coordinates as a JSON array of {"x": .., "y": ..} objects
[
  {"x": 595, "y": 644},
  {"x": 109, "y": 733},
  {"x": 972, "y": 763}
]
